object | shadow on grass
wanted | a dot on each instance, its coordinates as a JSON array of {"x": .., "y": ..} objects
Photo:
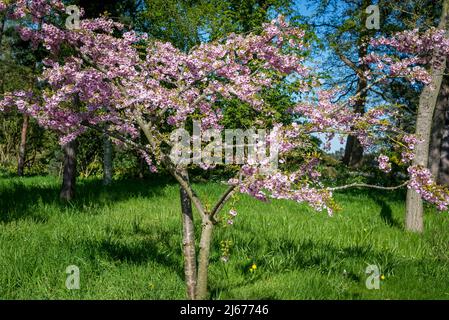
[
  {"x": 386, "y": 214},
  {"x": 381, "y": 198},
  {"x": 324, "y": 257},
  {"x": 396, "y": 195},
  {"x": 285, "y": 255},
  {"x": 22, "y": 199},
  {"x": 126, "y": 249}
]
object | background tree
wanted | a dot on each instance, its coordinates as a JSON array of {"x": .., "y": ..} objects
[
  {"x": 427, "y": 104},
  {"x": 19, "y": 64}
]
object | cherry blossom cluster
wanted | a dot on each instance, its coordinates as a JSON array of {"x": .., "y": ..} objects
[
  {"x": 282, "y": 185},
  {"x": 36, "y": 9},
  {"x": 422, "y": 50},
  {"x": 421, "y": 181},
  {"x": 384, "y": 163},
  {"x": 409, "y": 142}
]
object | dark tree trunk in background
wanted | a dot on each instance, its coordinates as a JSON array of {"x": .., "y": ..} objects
[
  {"x": 107, "y": 160},
  {"x": 443, "y": 176},
  {"x": 354, "y": 151},
  {"x": 353, "y": 156},
  {"x": 141, "y": 166},
  {"x": 2, "y": 30},
  {"x": 438, "y": 131},
  {"x": 436, "y": 139},
  {"x": 69, "y": 175},
  {"x": 188, "y": 243},
  {"x": 22, "y": 147}
]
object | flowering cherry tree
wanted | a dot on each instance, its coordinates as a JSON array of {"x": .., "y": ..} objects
[{"x": 137, "y": 86}]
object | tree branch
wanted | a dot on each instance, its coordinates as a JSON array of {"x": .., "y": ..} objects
[
  {"x": 220, "y": 204},
  {"x": 364, "y": 185}
]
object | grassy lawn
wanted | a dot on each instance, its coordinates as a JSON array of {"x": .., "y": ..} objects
[{"x": 126, "y": 240}]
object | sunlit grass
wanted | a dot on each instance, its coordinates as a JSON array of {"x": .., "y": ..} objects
[{"x": 126, "y": 240}]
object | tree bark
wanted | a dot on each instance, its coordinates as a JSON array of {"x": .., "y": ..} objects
[
  {"x": 141, "y": 166},
  {"x": 188, "y": 242},
  {"x": 436, "y": 139},
  {"x": 438, "y": 132},
  {"x": 353, "y": 156},
  {"x": 22, "y": 147},
  {"x": 353, "y": 152},
  {"x": 426, "y": 108},
  {"x": 443, "y": 173},
  {"x": 69, "y": 175},
  {"x": 203, "y": 261},
  {"x": 2, "y": 29},
  {"x": 107, "y": 160}
]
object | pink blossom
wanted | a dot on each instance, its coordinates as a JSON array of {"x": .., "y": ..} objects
[{"x": 384, "y": 163}]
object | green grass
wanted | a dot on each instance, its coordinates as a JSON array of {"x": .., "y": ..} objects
[{"x": 126, "y": 240}]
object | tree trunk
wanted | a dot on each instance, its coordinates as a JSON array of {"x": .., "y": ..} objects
[
  {"x": 2, "y": 30},
  {"x": 437, "y": 135},
  {"x": 22, "y": 147},
  {"x": 188, "y": 226},
  {"x": 69, "y": 175},
  {"x": 188, "y": 242},
  {"x": 414, "y": 212},
  {"x": 439, "y": 127},
  {"x": 107, "y": 160},
  {"x": 443, "y": 174},
  {"x": 141, "y": 166},
  {"x": 354, "y": 150},
  {"x": 426, "y": 108},
  {"x": 203, "y": 261}
]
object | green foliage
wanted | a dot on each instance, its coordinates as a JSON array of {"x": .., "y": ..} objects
[
  {"x": 128, "y": 164},
  {"x": 19, "y": 65},
  {"x": 41, "y": 145},
  {"x": 186, "y": 23}
]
